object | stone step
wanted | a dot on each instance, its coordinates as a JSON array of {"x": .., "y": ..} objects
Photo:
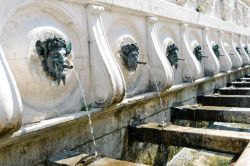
[
  {"x": 234, "y": 91},
  {"x": 225, "y": 100},
  {"x": 211, "y": 113},
  {"x": 113, "y": 162},
  {"x": 239, "y": 84},
  {"x": 247, "y": 76},
  {"x": 246, "y": 79},
  {"x": 88, "y": 160},
  {"x": 168, "y": 134}
]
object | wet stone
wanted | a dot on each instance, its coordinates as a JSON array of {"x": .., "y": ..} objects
[{"x": 194, "y": 157}]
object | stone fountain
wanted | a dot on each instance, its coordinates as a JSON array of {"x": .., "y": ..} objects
[{"x": 134, "y": 60}]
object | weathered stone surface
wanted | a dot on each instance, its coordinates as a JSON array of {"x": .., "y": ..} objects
[
  {"x": 225, "y": 100},
  {"x": 11, "y": 108},
  {"x": 72, "y": 131},
  {"x": 244, "y": 157},
  {"x": 247, "y": 76},
  {"x": 90, "y": 160},
  {"x": 67, "y": 160},
  {"x": 112, "y": 162},
  {"x": 239, "y": 84},
  {"x": 218, "y": 140},
  {"x": 245, "y": 79},
  {"x": 226, "y": 63},
  {"x": 162, "y": 76},
  {"x": 200, "y": 157},
  {"x": 211, "y": 113},
  {"x": 211, "y": 64},
  {"x": 234, "y": 91}
]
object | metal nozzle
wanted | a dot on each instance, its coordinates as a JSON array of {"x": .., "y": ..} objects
[
  {"x": 181, "y": 59},
  {"x": 142, "y": 63},
  {"x": 68, "y": 66}
]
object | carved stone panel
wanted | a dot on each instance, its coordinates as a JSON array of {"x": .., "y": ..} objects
[
  {"x": 161, "y": 73},
  {"x": 121, "y": 31},
  {"x": 192, "y": 69},
  {"x": 107, "y": 79},
  {"x": 205, "y": 6},
  {"x": 226, "y": 10},
  {"x": 239, "y": 13},
  {"x": 225, "y": 60},
  {"x": 42, "y": 97},
  {"x": 168, "y": 36},
  {"x": 212, "y": 64},
  {"x": 229, "y": 45},
  {"x": 245, "y": 16}
]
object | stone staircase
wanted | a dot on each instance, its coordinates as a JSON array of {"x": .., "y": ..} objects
[{"x": 230, "y": 104}]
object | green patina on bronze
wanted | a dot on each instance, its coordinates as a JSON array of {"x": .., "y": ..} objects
[
  {"x": 54, "y": 53},
  {"x": 130, "y": 55},
  {"x": 238, "y": 50},
  {"x": 87, "y": 107},
  {"x": 246, "y": 49},
  {"x": 172, "y": 55},
  {"x": 216, "y": 49},
  {"x": 198, "y": 52}
]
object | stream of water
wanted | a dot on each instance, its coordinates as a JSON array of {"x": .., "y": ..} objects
[
  {"x": 87, "y": 109},
  {"x": 156, "y": 85}
]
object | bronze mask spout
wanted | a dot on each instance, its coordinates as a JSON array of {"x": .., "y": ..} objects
[
  {"x": 54, "y": 53},
  {"x": 130, "y": 55}
]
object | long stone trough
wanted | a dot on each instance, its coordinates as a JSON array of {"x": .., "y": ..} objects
[
  {"x": 227, "y": 104},
  {"x": 172, "y": 135}
]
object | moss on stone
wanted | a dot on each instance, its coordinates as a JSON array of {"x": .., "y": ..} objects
[
  {"x": 189, "y": 123},
  {"x": 195, "y": 157},
  {"x": 172, "y": 151},
  {"x": 84, "y": 107},
  {"x": 218, "y": 160}
]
